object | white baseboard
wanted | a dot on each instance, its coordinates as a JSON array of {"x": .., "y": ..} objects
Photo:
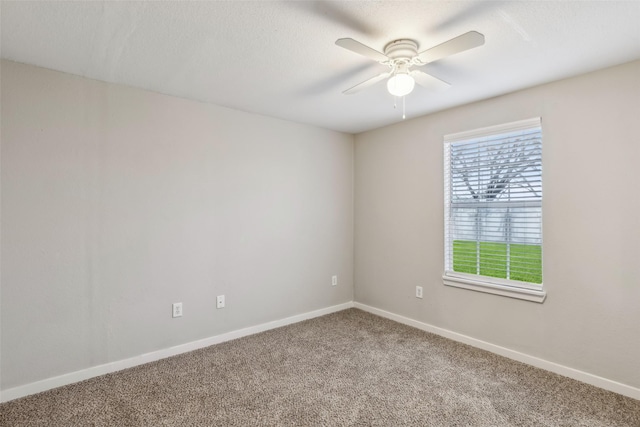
[
  {"x": 94, "y": 371},
  {"x": 73, "y": 377},
  {"x": 575, "y": 374}
]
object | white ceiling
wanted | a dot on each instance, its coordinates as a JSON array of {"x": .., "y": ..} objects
[{"x": 279, "y": 58}]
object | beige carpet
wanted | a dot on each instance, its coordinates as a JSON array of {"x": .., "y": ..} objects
[{"x": 346, "y": 369}]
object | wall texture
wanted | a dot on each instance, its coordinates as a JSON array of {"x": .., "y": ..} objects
[
  {"x": 117, "y": 202},
  {"x": 591, "y": 156}
]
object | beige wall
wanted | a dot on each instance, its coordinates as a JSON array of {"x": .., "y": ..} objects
[
  {"x": 117, "y": 202},
  {"x": 591, "y": 170}
]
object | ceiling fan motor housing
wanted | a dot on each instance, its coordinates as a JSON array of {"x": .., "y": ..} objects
[{"x": 402, "y": 49}]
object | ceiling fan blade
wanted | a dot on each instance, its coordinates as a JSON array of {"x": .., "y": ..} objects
[
  {"x": 359, "y": 48},
  {"x": 365, "y": 84},
  {"x": 428, "y": 81},
  {"x": 456, "y": 45}
]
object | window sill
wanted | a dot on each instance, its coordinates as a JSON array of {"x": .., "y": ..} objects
[{"x": 533, "y": 295}]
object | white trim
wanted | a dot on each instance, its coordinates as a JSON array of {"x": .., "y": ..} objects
[
  {"x": 73, "y": 377},
  {"x": 534, "y": 122},
  {"x": 94, "y": 371},
  {"x": 566, "y": 371},
  {"x": 524, "y": 293}
]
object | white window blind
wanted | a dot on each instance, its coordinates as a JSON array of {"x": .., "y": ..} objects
[{"x": 493, "y": 209}]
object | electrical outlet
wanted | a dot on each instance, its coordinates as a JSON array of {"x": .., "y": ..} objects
[
  {"x": 220, "y": 301},
  {"x": 177, "y": 309},
  {"x": 418, "y": 291},
  {"x": 334, "y": 281}
]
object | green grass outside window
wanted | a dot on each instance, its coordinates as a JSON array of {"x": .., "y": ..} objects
[{"x": 525, "y": 260}]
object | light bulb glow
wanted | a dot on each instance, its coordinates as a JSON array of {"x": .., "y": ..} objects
[{"x": 400, "y": 84}]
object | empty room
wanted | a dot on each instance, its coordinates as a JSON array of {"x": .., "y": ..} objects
[{"x": 320, "y": 213}]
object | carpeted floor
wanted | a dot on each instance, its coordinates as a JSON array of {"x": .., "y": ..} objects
[{"x": 346, "y": 369}]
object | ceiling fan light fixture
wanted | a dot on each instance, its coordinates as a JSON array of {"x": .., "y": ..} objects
[{"x": 400, "y": 84}]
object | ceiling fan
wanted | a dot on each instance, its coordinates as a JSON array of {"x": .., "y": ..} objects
[{"x": 401, "y": 55}]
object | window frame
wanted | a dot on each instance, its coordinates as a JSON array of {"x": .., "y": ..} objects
[{"x": 487, "y": 284}]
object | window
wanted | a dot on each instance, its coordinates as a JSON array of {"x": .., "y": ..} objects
[{"x": 493, "y": 210}]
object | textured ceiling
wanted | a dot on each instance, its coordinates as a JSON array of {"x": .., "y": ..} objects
[{"x": 279, "y": 58}]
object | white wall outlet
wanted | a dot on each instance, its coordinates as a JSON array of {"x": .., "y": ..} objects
[
  {"x": 177, "y": 309},
  {"x": 334, "y": 280},
  {"x": 418, "y": 291},
  {"x": 220, "y": 301}
]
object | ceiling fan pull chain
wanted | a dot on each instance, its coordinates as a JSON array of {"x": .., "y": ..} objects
[{"x": 403, "y": 108}]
